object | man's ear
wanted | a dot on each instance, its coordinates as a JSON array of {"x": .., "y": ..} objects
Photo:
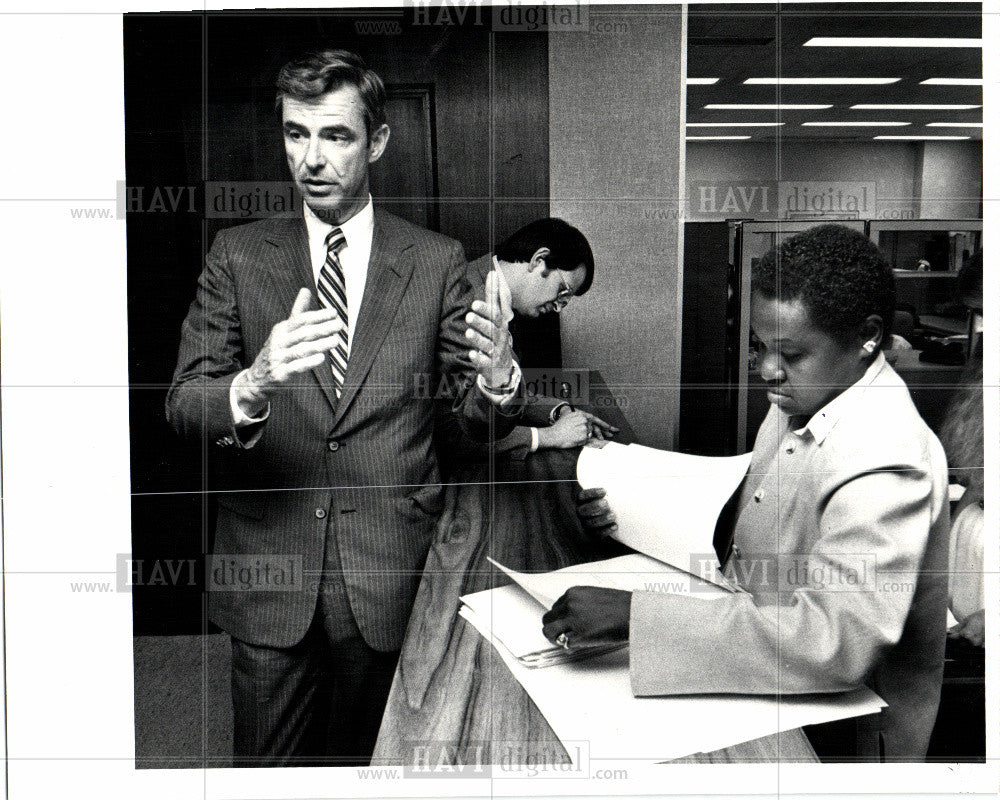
[
  {"x": 538, "y": 259},
  {"x": 379, "y": 139}
]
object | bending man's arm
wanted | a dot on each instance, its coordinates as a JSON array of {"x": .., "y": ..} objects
[{"x": 474, "y": 352}]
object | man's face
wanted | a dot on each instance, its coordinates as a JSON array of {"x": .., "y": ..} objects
[
  {"x": 539, "y": 287},
  {"x": 329, "y": 152},
  {"x": 805, "y": 368}
]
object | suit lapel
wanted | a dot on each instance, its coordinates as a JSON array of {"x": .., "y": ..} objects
[
  {"x": 290, "y": 269},
  {"x": 388, "y": 276}
]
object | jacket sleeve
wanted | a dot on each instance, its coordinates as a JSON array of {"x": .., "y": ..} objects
[
  {"x": 480, "y": 418},
  {"x": 209, "y": 358},
  {"x": 830, "y": 634}
]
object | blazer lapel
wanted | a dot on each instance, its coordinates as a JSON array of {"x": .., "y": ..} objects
[
  {"x": 388, "y": 276},
  {"x": 290, "y": 269}
]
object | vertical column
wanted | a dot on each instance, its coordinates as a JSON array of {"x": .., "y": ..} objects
[{"x": 616, "y": 116}]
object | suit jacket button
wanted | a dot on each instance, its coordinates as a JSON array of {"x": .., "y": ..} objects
[
  {"x": 333, "y": 446},
  {"x": 320, "y": 513}
]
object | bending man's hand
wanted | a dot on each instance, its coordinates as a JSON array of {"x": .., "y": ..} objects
[
  {"x": 570, "y": 430},
  {"x": 599, "y": 429},
  {"x": 488, "y": 334},
  {"x": 589, "y": 615},
  {"x": 295, "y": 346}
]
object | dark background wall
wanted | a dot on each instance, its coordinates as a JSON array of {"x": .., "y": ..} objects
[{"x": 469, "y": 157}]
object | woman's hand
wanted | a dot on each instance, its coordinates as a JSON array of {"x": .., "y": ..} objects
[
  {"x": 594, "y": 512},
  {"x": 589, "y": 615}
]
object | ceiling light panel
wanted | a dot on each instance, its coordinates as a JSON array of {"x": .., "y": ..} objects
[
  {"x": 952, "y": 82},
  {"x": 886, "y": 41},
  {"x": 866, "y": 124},
  {"x": 911, "y": 107},
  {"x": 821, "y": 81},
  {"x": 766, "y": 107}
]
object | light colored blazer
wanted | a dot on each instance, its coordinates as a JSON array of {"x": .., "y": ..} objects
[
  {"x": 863, "y": 492},
  {"x": 361, "y": 470}
]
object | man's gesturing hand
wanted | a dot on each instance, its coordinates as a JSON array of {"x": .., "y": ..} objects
[
  {"x": 487, "y": 332},
  {"x": 295, "y": 345}
]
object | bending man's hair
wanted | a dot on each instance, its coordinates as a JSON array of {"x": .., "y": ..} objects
[{"x": 569, "y": 249}]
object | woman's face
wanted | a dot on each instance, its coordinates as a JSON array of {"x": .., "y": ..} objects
[{"x": 804, "y": 367}]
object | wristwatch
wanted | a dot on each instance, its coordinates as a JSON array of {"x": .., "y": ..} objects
[{"x": 554, "y": 414}]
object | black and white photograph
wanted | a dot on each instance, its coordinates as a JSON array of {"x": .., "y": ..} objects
[{"x": 468, "y": 399}]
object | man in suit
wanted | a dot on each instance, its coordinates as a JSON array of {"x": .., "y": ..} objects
[
  {"x": 296, "y": 368},
  {"x": 540, "y": 268}
]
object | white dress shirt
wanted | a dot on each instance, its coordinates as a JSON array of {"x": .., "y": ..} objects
[{"x": 358, "y": 232}]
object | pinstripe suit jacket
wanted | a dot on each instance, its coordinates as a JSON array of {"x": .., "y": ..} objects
[{"x": 360, "y": 470}]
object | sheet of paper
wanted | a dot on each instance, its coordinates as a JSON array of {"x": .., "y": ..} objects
[
  {"x": 667, "y": 504},
  {"x": 592, "y": 700},
  {"x": 514, "y": 617},
  {"x": 633, "y": 572},
  {"x": 514, "y": 613}
]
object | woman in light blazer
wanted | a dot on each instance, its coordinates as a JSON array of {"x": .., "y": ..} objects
[{"x": 841, "y": 531}]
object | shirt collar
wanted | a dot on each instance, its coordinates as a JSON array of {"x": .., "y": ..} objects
[
  {"x": 506, "y": 298},
  {"x": 356, "y": 229},
  {"x": 822, "y": 422}
]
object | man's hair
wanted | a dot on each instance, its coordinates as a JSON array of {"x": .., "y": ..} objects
[
  {"x": 568, "y": 248},
  {"x": 314, "y": 74},
  {"x": 838, "y": 274}
]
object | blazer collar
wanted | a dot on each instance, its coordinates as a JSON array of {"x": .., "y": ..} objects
[{"x": 824, "y": 420}]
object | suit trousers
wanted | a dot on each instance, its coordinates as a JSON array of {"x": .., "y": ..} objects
[{"x": 319, "y": 702}]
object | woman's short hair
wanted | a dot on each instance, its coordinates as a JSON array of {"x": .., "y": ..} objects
[
  {"x": 321, "y": 71},
  {"x": 837, "y": 273}
]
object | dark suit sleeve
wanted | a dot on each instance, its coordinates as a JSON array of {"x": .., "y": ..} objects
[
  {"x": 477, "y": 415},
  {"x": 210, "y": 355},
  {"x": 537, "y": 411}
]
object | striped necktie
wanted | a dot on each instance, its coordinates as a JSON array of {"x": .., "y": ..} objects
[{"x": 332, "y": 293}]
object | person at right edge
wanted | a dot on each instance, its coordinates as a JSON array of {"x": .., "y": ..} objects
[
  {"x": 962, "y": 437},
  {"x": 846, "y": 480}
]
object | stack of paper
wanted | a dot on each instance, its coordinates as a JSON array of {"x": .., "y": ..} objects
[{"x": 592, "y": 701}]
